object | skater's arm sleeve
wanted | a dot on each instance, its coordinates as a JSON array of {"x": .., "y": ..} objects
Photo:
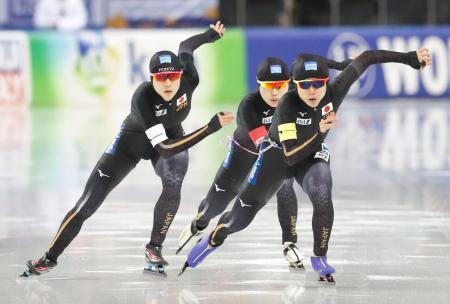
[
  {"x": 352, "y": 72},
  {"x": 332, "y": 64},
  {"x": 294, "y": 150},
  {"x": 336, "y": 65},
  {"x": 189, "y": 70},
  {"x": 189, "y": 45},
  {"x": 186, "y": 52},
  {"x": 167, "y": 147}
]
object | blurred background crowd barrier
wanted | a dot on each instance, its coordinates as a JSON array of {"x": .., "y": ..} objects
[{"x": 18, "y": 14}]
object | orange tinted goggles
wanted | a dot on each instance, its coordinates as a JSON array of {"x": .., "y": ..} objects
[
  {"x": 270, "y": 85},
  {"x": 163, "y": 76}
]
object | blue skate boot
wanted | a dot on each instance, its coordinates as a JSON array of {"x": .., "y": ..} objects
[
  {"x": 38, "y": 267},
  {"x": 198, "y": 253},
  {"x": 325, "y": 271},
  {"x": 155, "y": 261}
]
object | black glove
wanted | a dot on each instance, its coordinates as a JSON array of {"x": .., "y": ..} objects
[
  {"x": 214, "y": 124},
  {"x": 213, "y": 35},
  {"x": 414, "y": 61}
]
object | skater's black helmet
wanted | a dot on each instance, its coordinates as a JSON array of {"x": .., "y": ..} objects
[
  {"x": 308, "y": 66},
  {"x": 272, "y": 69},
  {"x": 164, "y": 61}
]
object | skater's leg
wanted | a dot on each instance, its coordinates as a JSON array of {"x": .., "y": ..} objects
[
  {"x": 171, "y": 171},
  {"x": 287, "y": 211},
  {"x": 317, "y": 183},
  {"x": 264, "y": 180},
  {"x": 287, "y": 216},
  {"x": 226, "y": 184},
  {"x": 107, "y": 174},
  {"x": 235, "y": 220},
  {"x": 117, "y": 161},
  {"x": 218, "y": 198},
  {"x": 224, "y": 188}
]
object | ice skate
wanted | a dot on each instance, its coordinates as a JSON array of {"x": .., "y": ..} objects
[
  {"x": 155, "y": 261},
  {"x": 293, "y": 256},
  {"x": 38, "y": 267},
  {"x": 188, "y": 235},
  {"x": 325, "y": 271},
  {"x": 200, "y": 251}
]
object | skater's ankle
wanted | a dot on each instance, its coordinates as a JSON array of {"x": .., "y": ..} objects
[
  {"x": 153, "y": 244},
  {"x": 319, "y": 256},
  {"x": 214, "y": 243},
  {"x": 200, "y": 227},
  {"x": 287, "y": 243},
  {"x": 50, "y": 258}
]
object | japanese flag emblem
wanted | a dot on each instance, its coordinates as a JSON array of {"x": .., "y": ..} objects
[
  {"x": 182, "y": 99},
  {"x": 327, "y": 109}
]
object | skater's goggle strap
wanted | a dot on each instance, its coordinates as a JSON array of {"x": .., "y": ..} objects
[
  {"x": 270, "y": 85},
  {"x": 311, "y": 82},
  {"x": 163, "y": 76},
  {"x": 287, "y": 131}
]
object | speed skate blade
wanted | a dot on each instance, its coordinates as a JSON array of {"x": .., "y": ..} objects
[
  {"x": 328, "y": 279},
  {"x": 157, "y": 270}
]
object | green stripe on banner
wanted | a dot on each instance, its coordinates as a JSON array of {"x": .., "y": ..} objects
[
  {"x": 228, "y": 69},
  {"x": 47, "y": 51}
]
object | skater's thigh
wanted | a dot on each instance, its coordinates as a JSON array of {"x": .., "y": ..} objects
[
  {"x": 116, "y": 166},
  {"x": 266, "y": 176},
  {"x": 109, "y": 171},
  {"x": 176, "y": 164},
  {"x": 287, "y": 186},
  {"x": 263, "y": 182},
  {"x": 317, "y": 178},
  {"x": 234, "y": 169}
]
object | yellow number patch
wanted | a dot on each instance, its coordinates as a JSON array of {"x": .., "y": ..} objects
[{"x": 287, "y": 131}]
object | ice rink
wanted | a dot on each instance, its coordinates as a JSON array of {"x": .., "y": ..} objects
[{"x": 390, "y": 241}]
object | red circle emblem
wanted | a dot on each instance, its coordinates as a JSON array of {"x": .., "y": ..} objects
[{"x": 327, "y": 109}]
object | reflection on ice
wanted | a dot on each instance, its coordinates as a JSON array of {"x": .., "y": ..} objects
[{"x": 391, "y": 199}]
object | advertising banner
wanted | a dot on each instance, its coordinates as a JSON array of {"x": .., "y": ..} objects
[
  {"x": 380, "y": 81},
  {"x": 93, "y": 67},
  {"x": 105, "y": 67},
  {"x": 15, "y": 88}
]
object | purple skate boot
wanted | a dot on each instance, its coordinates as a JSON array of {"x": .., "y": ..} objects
[
  {"x": 325, "y": 271},
  {"x": 198, "y": 253}
]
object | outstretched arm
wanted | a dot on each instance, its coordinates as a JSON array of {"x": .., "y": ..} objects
[
  {"x": 167, "y": 147},
  {"x": 214, "y": 33},
  {"x": 343, "y": 81},
  {"x": 340, "y": 66},
  {"x": 188, "y": 46}
]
